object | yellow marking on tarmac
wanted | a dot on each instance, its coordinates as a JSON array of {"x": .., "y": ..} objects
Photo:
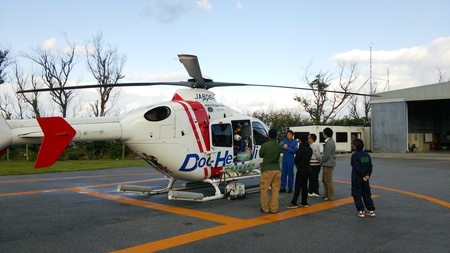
[
  {"x": 232, "y": 226},
  {"x": 161, "y": 207},
  {"x": 89, "y": 186},
  {"x": 229, "y": 224},
  {"x": 27, "y": 192},
  {"x": 431, "y": 199},
  {"x": 77, "y": 177},
  {"x": 124, "y": 182}
]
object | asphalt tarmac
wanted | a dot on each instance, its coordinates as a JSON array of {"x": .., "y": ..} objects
[{"x": 83, "y": 212}]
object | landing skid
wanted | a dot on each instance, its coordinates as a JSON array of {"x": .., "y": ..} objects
[
  {"x": 196, "y": 196},
  {"x": 179, "y": 193}
]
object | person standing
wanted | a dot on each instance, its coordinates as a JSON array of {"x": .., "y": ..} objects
[
  {"x": 270, "y": 173},
  {"x": 290, "y": 147},
  {"x": 328, "y": 162},
  {"x": 361, "y": 163},
  {"x": 302, "y": 158},
  {"x": 313, "y": 187}
]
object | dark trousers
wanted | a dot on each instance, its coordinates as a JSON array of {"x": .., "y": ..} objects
[
  {"x": 314, "y": 179},
  {"x": 301, "y": 185},
  {"x": 361, "y": 192}
]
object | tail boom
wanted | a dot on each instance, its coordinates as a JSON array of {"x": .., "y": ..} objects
[{"x": 55, "y": 133}]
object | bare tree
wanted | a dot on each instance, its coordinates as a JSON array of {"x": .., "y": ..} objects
[
  {"x": 315, "y": 107},
  {"x": 4, "y": 62},
  {"x": 106, "y": 65},
  {"x": 367, "y": 105},
  {"x": 6, "y": 104},
  {"x": 56, "y": 69},
  {"x": 354, "y": 108},
  {"x": 24, "y": 84},
  {"x": 323, "y": 107},
  {"x": 441, "y": 75}
]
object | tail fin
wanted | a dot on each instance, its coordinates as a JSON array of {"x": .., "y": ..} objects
[{"x": 57, "y": 135}]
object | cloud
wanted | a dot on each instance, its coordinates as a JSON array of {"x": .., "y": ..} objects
[
  {"x": 49, "y": 44},
  {"x": 164, "y": 11},
  {"x": 158, "y": 77},
  {"x": 204, "y": 5},
  {"x": 404, "y": 67},
  {"x": 239, "y": 5},
  {"x": 167, "y": 12}
]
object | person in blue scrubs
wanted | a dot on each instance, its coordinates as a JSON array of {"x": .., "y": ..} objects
[{"x": 290, "y": 147}]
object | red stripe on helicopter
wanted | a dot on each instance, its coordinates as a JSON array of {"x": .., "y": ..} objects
[
  {"x": 200, "y": 125},
  {"x": 212, "y": 172},
  {"x": 194, "y": 128},
  {"x": 3, "y": 151}
]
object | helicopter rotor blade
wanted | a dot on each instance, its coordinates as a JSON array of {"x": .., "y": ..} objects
[
  {"x": 223, "y": 84},
  {"x": 190, "y": 62},
  {"x": 186, "y": 84}
]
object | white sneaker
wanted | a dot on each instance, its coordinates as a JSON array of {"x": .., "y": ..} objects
[
  {"x": 313, "y": 195},
  {"x": 370, "y": 213},
  {"x": 361, "y": 214}
]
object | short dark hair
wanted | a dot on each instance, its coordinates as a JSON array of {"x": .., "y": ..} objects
[
  {"x": 328, "y": 132},
  {"x": 290, "y": 131},
  {"x": 273, "y": 133},
  {"x": 359, "y": 144},
  {"x": 303, "y": 138},
  {"x": 313, "y": 137}
]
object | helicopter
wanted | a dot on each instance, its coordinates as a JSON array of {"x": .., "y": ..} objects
[{"x": 191, "y": 138}]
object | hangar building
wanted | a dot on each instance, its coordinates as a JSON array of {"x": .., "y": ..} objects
[{"x": 412, "y": 119}]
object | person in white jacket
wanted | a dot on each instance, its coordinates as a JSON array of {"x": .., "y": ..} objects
[{"x": 313, "y": 184}]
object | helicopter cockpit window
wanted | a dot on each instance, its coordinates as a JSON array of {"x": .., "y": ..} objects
[
  {"x": 259, "y": 133},
  {"x": 221, "y": 135},
  {"x": 157, "y": 114}
]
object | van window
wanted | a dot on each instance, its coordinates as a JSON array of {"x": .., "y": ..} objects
[{"x": 341, "y": 137}]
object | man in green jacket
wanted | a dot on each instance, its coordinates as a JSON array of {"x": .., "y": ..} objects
[{"x": 270, "y": 173}]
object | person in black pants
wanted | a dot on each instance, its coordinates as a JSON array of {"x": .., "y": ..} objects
[
  {"x": 315, "y": 167},
  {"x": 361, "y": 171},
  {"x": 302, "y": 158}
]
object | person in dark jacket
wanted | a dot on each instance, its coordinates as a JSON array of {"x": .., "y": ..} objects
[
  {"x": 361, "y": 171},
  {"x": 302, "y": 158}
]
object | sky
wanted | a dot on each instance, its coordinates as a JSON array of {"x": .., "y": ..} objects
[{"x": 250, "y": 41}]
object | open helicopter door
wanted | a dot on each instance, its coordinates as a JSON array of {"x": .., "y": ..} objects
[
  {"x": 222, "y": 137},
  {"x": 233, "y": 137}
]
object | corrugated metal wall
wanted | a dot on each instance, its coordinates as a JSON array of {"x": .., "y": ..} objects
[{"x": 389, "y": 127}]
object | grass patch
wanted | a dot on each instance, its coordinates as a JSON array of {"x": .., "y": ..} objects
[{"x": 8, "y": 168}]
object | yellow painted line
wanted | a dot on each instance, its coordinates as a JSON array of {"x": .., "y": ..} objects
[
  {"x": 124, "y": 182},
  {"x": 161, "y": 207},
  {"x": 428, "y": 198},
  {"x": 233, "y": 226},
  {"x": 431, "y": 199},
  {"x": 76, "y": 177},
  {"x": 27, "y": 192},
  {"x": 89, "y": 186}
]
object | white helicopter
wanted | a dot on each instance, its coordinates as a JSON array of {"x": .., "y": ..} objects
[{"x": 191, "y": 138}]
